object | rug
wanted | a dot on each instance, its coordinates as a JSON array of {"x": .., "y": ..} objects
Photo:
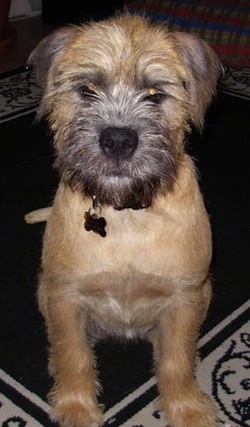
[{"x": 129, "y": 390}]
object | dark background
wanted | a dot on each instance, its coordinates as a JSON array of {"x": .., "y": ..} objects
[{"x": 59, "y": 12}]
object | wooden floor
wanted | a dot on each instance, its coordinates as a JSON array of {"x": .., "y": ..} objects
[{"x": 29, "y": 32}]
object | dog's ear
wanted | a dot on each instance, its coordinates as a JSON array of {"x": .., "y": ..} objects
[
  {"x": 204, "y": 67},
  {"x": 42, "y": 57}
]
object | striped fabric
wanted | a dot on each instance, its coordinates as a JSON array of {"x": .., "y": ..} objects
[{"x": 224, "y": 24}]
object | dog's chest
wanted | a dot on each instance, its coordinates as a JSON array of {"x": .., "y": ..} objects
[
  {"x": 129, "y": 302},
  {"x": 125, "y": 279}
]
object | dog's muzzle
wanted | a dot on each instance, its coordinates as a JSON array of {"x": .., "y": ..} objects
[{"x": 118, "y": 142}]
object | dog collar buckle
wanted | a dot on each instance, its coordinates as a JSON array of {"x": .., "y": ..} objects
[{"x": 93, "y": 219}]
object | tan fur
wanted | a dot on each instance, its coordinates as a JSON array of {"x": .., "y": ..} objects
[{"x": 150, "y": 275}]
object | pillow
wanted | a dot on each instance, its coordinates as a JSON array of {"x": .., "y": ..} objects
[{"x": 224, "y": 24}]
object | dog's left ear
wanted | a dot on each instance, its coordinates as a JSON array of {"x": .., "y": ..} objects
[
  {"x": 205, "y": 68},
  {"x": 42, "y": 57}
]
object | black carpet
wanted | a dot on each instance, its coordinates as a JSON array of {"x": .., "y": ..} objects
[{"x": 28, "y": 182}]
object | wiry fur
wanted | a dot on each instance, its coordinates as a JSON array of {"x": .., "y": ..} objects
[{"x": 150, "y": 275}]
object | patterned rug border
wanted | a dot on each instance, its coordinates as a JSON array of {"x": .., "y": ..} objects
[
  {"x": 21, "y": 407},
  {"x": 20, "y": 95},
  {"x": 235, "y": 82},
  {"x": 144, "y": 397}
]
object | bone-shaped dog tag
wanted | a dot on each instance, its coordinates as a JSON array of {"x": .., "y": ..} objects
[{"x": 95, "y": 223}]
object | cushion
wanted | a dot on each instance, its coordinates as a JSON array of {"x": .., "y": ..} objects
[{"x": 224, "y": 24}]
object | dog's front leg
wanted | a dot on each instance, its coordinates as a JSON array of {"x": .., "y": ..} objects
[
  {"x": 175, "y": 354},
  {"x": 74, "y": 394}
]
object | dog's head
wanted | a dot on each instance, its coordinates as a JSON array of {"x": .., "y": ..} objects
[{"x": 119, "y": 96}]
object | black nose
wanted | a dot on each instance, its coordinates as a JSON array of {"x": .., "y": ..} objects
[{"x": 119, "y": 143}]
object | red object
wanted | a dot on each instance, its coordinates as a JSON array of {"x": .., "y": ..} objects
[{"x": 7, "y": 34}]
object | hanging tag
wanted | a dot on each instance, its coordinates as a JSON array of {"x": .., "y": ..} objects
[{"x": 93, "y": 220}]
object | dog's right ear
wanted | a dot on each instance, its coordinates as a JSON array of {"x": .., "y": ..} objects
[
  {"x": 42, "y": 57},
  {"x": 204, "y": 67}
]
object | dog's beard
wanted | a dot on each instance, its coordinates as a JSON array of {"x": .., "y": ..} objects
[
  {"x": 133, "y": 182},
  {"x": 120, "y": 190},
  {"x": 121, "y": 193}
]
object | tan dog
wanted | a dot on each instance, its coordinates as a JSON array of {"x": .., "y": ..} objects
[{"x": 127, "y": 246}]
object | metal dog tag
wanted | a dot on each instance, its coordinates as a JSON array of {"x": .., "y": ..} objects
[
  {"x": 95, "y": 223},
  {"x": 93, "y": 220}
]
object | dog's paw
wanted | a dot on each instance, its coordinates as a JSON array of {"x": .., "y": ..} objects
[
  {"x": 77, "y": 413},
  {"x": 190, "y": 411}
]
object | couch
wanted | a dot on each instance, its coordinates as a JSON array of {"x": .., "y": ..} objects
[{"x": 224, "y": 24}]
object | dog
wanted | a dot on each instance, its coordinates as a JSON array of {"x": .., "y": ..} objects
[{"x": 127, "y": 245}]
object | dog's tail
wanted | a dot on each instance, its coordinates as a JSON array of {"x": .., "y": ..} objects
[{"x": 38, "y": 215}]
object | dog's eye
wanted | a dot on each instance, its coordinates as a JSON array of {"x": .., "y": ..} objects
[
  {"x": 158, "y": 98},
  {"x": 86, "y": 92},
  {"x": 155, "y": 97},
  {"x": 185, "y": 85}
]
